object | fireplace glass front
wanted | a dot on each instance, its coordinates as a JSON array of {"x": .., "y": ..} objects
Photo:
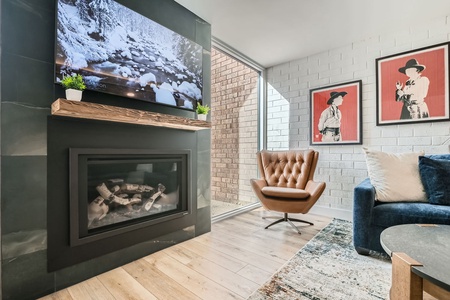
[{"x": 113, "y": 191}]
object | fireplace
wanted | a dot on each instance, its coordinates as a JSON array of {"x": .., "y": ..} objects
[
  {"x": 107, "y": 199},
  {"x": 114, "y": 191}
]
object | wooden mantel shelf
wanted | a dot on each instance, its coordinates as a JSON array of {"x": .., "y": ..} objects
[{"x": 88, "y": 110}]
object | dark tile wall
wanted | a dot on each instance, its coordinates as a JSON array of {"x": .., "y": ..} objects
[{"x": 27, "y": 91}]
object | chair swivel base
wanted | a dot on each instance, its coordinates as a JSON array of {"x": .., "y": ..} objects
[{"x": 289, "y": 220}]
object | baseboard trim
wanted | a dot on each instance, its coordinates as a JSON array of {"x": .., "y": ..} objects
[
  {"x": 316, "y": 209},
  {"x": 332, "y": 212},
  {"x": 235, "y": 212}
]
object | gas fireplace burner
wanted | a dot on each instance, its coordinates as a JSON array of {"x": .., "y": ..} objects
[{"x": 122, "y": 201}]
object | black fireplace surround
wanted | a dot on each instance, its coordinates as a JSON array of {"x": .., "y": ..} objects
[{"x": 114, "y": 185}]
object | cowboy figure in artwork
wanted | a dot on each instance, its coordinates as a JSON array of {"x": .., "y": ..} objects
[
  {"x": 414, "y": 92},
  {"x": 330, "y": 119}
]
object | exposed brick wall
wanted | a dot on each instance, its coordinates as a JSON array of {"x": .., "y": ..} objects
[
  {"x": 343, "y": 167},
  {"x": 234, "y": 136}
]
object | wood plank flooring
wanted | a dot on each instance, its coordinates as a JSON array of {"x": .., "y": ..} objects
[{"x": 230, "y": 262}]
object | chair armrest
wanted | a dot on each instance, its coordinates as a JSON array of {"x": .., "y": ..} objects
[
  {"x": 363, "y": 203},
  {"x": 259, "y": 183},
  {"x": 315, "y": 189}
]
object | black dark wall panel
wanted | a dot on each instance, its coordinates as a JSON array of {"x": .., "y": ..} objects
[{"x": 65, "y": 133}]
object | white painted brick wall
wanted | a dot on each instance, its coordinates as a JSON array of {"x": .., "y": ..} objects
[
  {"x": 344, "y": 166},
  {"x": 277, "y": 112}
]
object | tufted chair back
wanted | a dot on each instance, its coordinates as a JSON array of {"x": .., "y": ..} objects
[{"x": 290, "y": 169}]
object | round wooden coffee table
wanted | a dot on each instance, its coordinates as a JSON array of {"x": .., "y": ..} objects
[{"x": 420, "y": 260}]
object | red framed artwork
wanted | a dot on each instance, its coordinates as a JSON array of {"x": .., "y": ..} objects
[
  {"x": 336, "y": 114},
  {"x": 413, "y": 86}
]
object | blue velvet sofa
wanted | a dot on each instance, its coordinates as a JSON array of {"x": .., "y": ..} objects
[{"x": 371, "y": 217}]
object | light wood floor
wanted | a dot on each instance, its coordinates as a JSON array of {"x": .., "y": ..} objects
[{"x": 230, "y": 262}]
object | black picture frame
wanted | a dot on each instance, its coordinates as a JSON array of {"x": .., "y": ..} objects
[
  {"x": 325, "y": 128},
  {"x": 423, "y": 95}
]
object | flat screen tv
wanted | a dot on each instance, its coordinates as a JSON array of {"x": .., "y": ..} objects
[{"x": 121, "y": 52}]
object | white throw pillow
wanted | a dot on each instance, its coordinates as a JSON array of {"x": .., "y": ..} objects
[{"x": 395, "y": 176}]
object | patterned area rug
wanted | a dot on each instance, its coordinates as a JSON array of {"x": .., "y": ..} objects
[{"x": 328, "y": 267}]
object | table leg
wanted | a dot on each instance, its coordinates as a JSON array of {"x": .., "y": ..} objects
[{"x": 405, "y": 284}]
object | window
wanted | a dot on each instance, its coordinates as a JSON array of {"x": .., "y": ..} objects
[{"x": 235, "y": 134}]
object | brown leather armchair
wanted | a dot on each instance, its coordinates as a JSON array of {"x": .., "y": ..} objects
[{"x": 286, "y": 183}]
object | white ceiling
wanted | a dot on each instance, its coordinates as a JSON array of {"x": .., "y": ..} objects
[{"x": 272, "y": 32}]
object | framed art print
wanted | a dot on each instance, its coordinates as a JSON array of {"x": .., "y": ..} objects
[
  {"x": 413, "y": 86},
  {"x": 336, "y": 114}
]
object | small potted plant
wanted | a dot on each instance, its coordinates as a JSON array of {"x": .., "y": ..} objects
[
  {"x": 74, "y": 86},
  {"x": 202, "y": 111}
]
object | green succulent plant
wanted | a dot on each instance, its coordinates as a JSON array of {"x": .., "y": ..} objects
[
  {"x": 75, "y": 82},
  {"x": 202, "y": 109}
]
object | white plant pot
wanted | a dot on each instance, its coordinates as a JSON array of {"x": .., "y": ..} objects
[
  {"x": 201, "y": 117},
  {"x": 74, "y": 95}
]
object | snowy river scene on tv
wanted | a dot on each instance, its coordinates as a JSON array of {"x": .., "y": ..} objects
[{"x": 121, "y": 52}]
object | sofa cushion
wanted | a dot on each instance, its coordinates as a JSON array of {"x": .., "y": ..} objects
[
  {"x": 435, "y": 174},
  {"x": 439, "y": 156},
  {"x": 391, "y": 214},
  {"x": 395, "y": 176},
  {"x": 283, "y": 192}
]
